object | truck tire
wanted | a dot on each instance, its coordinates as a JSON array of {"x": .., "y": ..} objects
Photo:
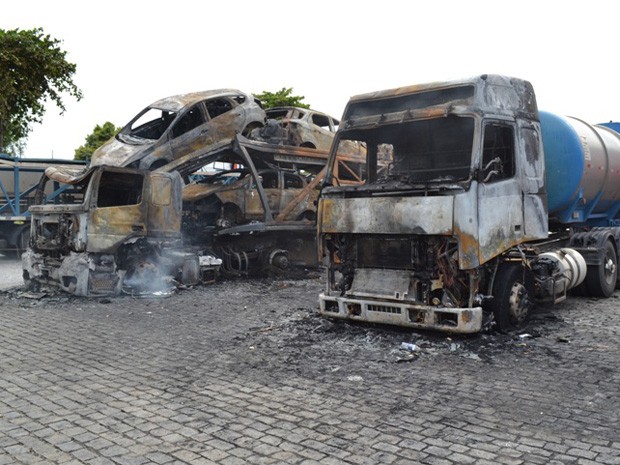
[
  {"x": 512, "y": 297},
  {"x": 601, "y": 279}
]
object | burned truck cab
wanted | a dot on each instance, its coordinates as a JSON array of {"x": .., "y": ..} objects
[
  {"x": 109, "y": 224},
  {"x": 454, "y": 178}
]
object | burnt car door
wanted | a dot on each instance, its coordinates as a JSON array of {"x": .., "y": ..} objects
[
  {"x": 116, "y": 209},
  {"x": 323, "y": 131},
  {"x": 226, "y": 118},
  {"x": 190, "y": 131},
  {"x": 500, "y": 196},
  {"x": 165, "y": 204},
  {"x": 270, "y": 180}
]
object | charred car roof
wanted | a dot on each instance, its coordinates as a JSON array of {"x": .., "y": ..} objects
[{"x": 178, "y": 102}]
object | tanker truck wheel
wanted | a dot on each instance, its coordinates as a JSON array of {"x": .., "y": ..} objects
[
  {"x": 513, "y": 291},
  {"x": 601, "y": 279}
]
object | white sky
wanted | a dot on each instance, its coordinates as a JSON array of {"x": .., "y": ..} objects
[{"x": 131, "y": 53}]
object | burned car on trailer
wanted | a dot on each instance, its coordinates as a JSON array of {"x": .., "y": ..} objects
[
  {"x": 176, "y": 126},
  {"x": 229, "y": 198},
  {"x": 258, "y": 214},
  {"x": 302, "y": 127}
]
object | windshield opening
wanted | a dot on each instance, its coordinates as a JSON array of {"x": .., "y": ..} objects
[
  {"x": 424, "y": 151},
  {"x": 150, "y": 124}
]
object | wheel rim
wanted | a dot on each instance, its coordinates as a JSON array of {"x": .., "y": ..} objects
[
  {"x": 610, "y": 269},
  {"x": 518, "y": 303}
]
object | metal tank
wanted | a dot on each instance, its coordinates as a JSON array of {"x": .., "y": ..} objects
[{"x": 582, "y": 165}]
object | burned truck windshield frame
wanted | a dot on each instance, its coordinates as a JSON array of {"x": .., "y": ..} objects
[
  {"x": 416, "y": 100},
  {"x": 422, "y": 151}
]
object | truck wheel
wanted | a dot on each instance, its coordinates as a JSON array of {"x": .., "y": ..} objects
[
  {"x": 601, "y": 279},
  {"x": 512, "y": 297}
]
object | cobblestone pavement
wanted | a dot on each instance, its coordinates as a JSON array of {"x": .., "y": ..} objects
[
  {"x": 10, "y": 271},
  {"x": 247, "y": 373}
]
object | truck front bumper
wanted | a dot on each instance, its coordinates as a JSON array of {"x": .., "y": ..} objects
[{"x": 452, "y": 320}]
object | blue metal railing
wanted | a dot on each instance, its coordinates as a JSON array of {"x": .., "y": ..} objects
[{"x": 15, "y": 198}]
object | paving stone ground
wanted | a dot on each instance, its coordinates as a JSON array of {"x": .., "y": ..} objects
[{"x": 245, "y": 372}]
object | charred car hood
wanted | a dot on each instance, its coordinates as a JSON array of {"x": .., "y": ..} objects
[{"x": 118, "y": 153}]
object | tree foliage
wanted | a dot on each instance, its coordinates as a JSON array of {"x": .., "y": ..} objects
[
  {"x": 282, "y": 98},
  {"x": 95, "y": 140},
  {"x": 33, "y": 70}
]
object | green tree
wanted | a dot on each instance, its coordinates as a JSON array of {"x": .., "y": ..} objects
[
  {"x": 33, "y": 70},
  {"x": 282, "y": 98},
  {"x": 95, "y": 140}
]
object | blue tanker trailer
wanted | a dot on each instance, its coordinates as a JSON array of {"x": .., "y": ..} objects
[
  {"x": 472, "y": 207},
  {"x": 582, "y": 170}
]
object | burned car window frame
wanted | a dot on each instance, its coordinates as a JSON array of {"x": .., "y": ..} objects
[
  {"x": 218, "y": 106},
  {"x": 197, "y": 112},
  {"x": 157, "y": 126}
]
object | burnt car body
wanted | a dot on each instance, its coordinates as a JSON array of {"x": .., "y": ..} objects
[
  {"x": 231, "y": 197},
  {"x": 276, "y": 226},
  {"x": 302, "y": 127},
  {"x": 176, "y": 126}
]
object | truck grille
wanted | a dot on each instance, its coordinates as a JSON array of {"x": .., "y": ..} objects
[{"x": 384, "y": 309}]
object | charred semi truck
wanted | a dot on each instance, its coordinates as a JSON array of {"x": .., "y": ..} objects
[
  {"x": 114, "y": 230},
  {"x": 486, "y": 208}
]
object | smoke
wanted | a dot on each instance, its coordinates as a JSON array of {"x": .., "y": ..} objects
[{"x": 149, "y": 279}]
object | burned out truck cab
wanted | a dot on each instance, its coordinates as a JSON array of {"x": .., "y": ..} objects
[
  {"x": 109, "y": 230},
  {"x": 428, "y": 238}
]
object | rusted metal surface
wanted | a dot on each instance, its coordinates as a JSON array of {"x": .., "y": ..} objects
[
  {"x": 126, "y": 220},
  {"x": 123, "y": 232},
  {"x": 497, "y": 95},
  {"x": 261, "y": 216},
  {"x": 416, "y": 243},
  {"x": 302, "y": 127},
  {"x": 165, "y": 206},
  {"x": 242, "y": 195},
  {"x": 306, "y": 198},
  {"x": 288, "y": 195},
  {"x": 393, "y": 215},
  {"x": 176, "y": 126}
]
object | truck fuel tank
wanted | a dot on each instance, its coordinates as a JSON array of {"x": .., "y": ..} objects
[{"x": 558, "y": 271}]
